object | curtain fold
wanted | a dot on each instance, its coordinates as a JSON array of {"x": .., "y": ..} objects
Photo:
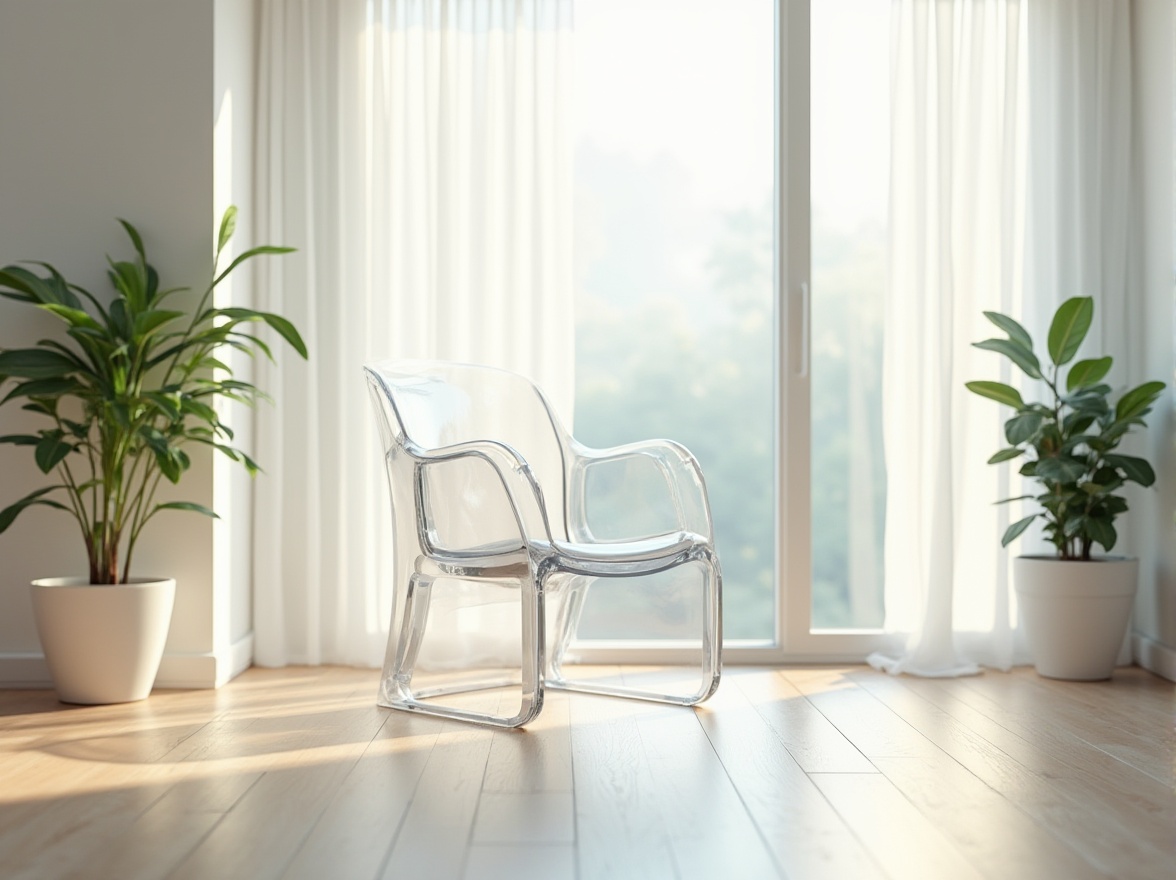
[
  {"x": 1009, "y": 181},
  {"x": 416, "y": 153}
]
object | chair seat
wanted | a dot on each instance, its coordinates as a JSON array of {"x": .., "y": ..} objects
[
  {"x": 602, "y": 557},
  {"x": 647, "y": 554}
]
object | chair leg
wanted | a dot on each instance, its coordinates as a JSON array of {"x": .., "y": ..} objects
[
  {"x": 566, "y": 624},
  {"x": 398, "y": 685},
  {"x": 416, "y": 616},
  {"x": 710, "y": 655},
  {"x": 397, "y": 691}
]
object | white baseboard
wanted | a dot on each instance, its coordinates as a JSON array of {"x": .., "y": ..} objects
[
  {"x": 206, "y": 670},
  {"x": 1154, "y": 656}
]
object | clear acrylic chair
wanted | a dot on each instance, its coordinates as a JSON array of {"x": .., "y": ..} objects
[{"x": 502, "y": 521}]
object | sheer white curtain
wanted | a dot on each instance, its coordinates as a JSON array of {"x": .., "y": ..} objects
[
  {"x": 1008, "y": 189},
  {"x": 416, "y": 154}
]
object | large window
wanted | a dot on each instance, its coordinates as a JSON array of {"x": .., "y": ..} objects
[
  {"x": 716, "y": 308},
  {"x": 674, "y": 176}
]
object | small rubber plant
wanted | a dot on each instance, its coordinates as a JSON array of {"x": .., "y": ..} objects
[
  {"x": 129, "y": 387},
  {"x": 1069, "y": 440}
]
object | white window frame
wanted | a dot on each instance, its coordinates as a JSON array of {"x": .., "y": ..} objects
[{"x": 795, "y": 639}]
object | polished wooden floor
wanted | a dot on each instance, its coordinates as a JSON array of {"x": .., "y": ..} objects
[{"x": 798, "y": 772}]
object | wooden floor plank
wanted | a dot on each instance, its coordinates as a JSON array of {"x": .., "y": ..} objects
[
  {"x": 1087, "y": 712},
  {"x": 870, "y": 726},
  {"x": 538, "y": 758},
  {"x": 620, "y": 831},
  {"x": 434, "y": 837},
  {"x": 686, "y": 774},
  {"x": 811, "y": 738},
  {"x": 355, "y": 832},
  {"x": 806, "y": 836},
  {"x": 1121, "y": 831},
  {"x": 520, "y": 862},
  {"x": 805, "y": 773},
  {"x": 994, "y": 835},
  {"x": 907, "y": 843}
]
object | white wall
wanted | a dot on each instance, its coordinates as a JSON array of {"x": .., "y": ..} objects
[
  {"x": 1153, "y": 519},
  {"x": 107, "y": 109}
]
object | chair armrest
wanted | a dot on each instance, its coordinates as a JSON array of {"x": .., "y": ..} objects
[
  {"x": 523, "y": 491},
  {"x": 683, "y": 477}
]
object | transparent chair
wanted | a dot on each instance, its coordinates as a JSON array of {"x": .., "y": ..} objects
[{"x": 501, "y": 519}]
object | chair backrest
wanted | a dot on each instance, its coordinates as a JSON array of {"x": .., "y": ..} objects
[{"x": 433, "y": 404}]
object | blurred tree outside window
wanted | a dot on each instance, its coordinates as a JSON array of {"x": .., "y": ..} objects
[{"x": 674, "y": 243}]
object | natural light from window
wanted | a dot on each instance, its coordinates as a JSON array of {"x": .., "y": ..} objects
[{"x": 673, "y": 244}]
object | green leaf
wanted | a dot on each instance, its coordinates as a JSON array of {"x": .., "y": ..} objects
[
  {"x": 73, "y": 317},
  {"x": 165, "y": 403},
  {"x": 1131, "y": 404},
  {"x": 42, "y": 388},
  {"x": 1086, "y": 373},
  {"x": 997, "y": 391},
  {"x": 136, "y": 239},
  {"x": 201, "y": 410},
  {"x": 1021, "y": 428},
  {"x": 284, "y": 328},
  {"x": 148, "y": 322},
  {"x": 35, "y": 363},
  {"x": 1016, "y": 332},
  {"x": 227, "y": 227},
  {"x": 1060, "y": 469},
  {"x": 1136, "y": 469},
  {"x": 249, "y": 254},
  {"x": 21, "y": 439},
  {"x": 131, "y": 281},
  {"x": 242, "y": 341},
  {"x": 1006, "y": 455},
  {"x": 52, "y": 448},
  {"x": 23, "y": 285},
  {"x": 1014, "y": 351},
  {"x": 1115, "y": 505},
  {"x": 30, "y": 288},
  {"x": 152, "y": 283},
  {"x": 10, "y": 513},
  {"x": 119, "y": 321},
  {"x": 187, "y": 505},
  {"x": 1102, "y": 532},
  {"x": 1014, "y": 531},
  {"x": 79, "y": 430},
  {"x": 1010, "y": 500},
  {"x": 1069, "y": 327},
  {"x": 1077, "y": 422},
  {"x": 167, "y": 464}
]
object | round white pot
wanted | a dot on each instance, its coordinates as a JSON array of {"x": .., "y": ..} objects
[
  {"x": 103, "y": 644},
  {"x": 1075, "y": 613}
]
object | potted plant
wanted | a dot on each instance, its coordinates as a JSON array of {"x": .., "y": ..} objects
[
  {"x": 1075, "y": 605},
  {"x": 132, "y": 383}
]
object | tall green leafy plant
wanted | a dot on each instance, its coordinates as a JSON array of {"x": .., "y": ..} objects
[
  {"x": 1069, "y": 441},
  {"x": 132, "y": 384}
]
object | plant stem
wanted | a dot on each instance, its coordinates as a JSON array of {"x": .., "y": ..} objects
[{"x": 137, "y": 527}]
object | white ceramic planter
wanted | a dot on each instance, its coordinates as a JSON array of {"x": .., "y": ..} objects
[
  {"x": 103, "y": 644},
  {"x": 1075, "y": 613}
]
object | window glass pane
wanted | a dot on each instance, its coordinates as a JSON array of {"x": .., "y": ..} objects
[
  {"x": 674, "y": 243},
  {"x": 850, "y": 136}
]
